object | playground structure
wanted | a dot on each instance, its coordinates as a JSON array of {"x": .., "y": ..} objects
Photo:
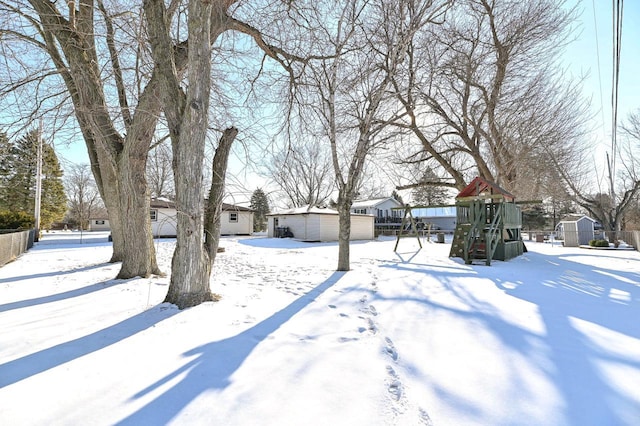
[{"x": 488, "y": 224}]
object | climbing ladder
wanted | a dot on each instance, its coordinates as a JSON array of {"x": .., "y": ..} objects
[{"x": 478, "y": 232}]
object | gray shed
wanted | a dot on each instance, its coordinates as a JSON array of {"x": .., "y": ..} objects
[{"x": 577, "y": 230}]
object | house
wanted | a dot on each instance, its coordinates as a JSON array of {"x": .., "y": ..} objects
[
  {"x": 234, "y": 220},
  {"x": 317, "y": 224},
  {"x": 578, "y": 230},
  {"x": 163, "y": 218},
  {"x": 382, "y": 211},
  {"x": 440, "y": 218},
  {"x": 99, "y": 224}
]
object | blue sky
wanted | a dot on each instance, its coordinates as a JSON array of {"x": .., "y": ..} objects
[{"x": 593, "y": 41}]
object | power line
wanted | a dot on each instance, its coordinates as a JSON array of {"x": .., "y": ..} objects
[
  {"x": 618, "y": 6},
  {"x": 595, "y": 27}
]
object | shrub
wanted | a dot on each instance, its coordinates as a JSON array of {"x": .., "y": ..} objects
[
  {"x": 16, "y": 220},
  {"x": 599, "y": 243}
]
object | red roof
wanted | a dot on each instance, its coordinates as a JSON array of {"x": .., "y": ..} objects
[{"x": 480, "y": 186}]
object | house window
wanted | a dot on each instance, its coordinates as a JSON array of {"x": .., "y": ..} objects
[
  {"x": 360, "y": 211},
  {"x": 233, "y": 217},
  {"x": 99, "y": 222},
  {"x": 154, "y": 215}
]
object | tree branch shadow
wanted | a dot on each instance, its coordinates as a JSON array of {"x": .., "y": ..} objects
[{"x": 215, "y": 363}]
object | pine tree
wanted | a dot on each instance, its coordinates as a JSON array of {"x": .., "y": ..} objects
[
  {"x": 397, "y": 197},
  {"x": 18, "y": 180},
  {"x": 429, "y": 195},
  {"x": 260, "y": 203}
]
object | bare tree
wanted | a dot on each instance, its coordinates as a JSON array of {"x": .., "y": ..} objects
[
  {"x": 82, "y": 194},
  {"x": 483, "y": 95},
  {"x": 80, "y": 46},
  {"x": 606, "y": 203},
  {"x": 160, "y": 172},
  {"x": 303, "y": 172},
  {"x": 346, "y": 93}
]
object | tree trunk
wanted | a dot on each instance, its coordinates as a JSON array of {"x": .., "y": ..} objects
[
  {"x": 216, "y": 193},
  {"x": 344, "y": 232},
  {"x": 118, "y": 163},
  {"x": 191, "y": 266}
]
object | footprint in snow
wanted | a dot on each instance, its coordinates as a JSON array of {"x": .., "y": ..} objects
[
  {"x": 395, "y": 385},
  {"x": 391, "y": 349}
]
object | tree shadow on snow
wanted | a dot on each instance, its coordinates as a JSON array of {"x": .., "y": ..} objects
[
  {"x": 59, "y": 296},
  {"x": 214, "y": 364},
  {"x": 30, "y": 365},
  {"x": 53, "y": 273},
  {"x": 570, "y": 358},
  {"x": 580, "y": 292}
]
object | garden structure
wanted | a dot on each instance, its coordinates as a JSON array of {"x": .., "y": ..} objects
[{"x": 488, "y": 224}]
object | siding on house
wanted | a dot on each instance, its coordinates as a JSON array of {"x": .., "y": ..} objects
[
  {"x": 314, "y": 224},
  {"x": 243, "y": 224},
  {"x": 99, "y": 224}
]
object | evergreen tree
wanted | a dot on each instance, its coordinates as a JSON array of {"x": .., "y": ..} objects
[
  {"x": 18, "y": 180},
  {"x": 397, "y": 197},
  {"x": 260, "y": 203},
  {"x": 534, "y": 217},
  {"x": 430, "y": 194}
]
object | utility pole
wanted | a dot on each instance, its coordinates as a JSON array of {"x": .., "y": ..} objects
[{"x": 38, "y": 183}]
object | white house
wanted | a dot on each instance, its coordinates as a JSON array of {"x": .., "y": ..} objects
[
  {"x": 317, "y": 224},
  {"x": 99, "y": 224},
  {"x": 235, "y": 220},
  {"x": 380, "y": 208},
  {"x": 163, "y": 218}
]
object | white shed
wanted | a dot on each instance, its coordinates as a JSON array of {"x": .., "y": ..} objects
[{"x": 317, "y": 224}]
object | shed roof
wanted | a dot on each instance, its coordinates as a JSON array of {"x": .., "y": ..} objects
[
  {"x": 575, "y": 218},
  {"x": 480, "y": 186}
]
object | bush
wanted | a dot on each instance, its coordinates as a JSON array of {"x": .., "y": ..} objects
[
  {"x": 599, "y": 243},
  {"x": 16, "y": 220}
]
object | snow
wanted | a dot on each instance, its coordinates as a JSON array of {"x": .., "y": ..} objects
[{"x": 409, "y": 338}]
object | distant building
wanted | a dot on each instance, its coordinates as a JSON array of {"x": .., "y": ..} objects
[
  {"x": 578, "y": 230},
  {"x": 234, "y": 220},
  {"x": 99, "y": 224},
  {"x": 440, "y": 218},
  {"x": 317, "y": 224},
  {"x": 385, "y": 218}
]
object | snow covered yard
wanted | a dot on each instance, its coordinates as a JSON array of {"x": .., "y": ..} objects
[{"x": 413, "y": 338}]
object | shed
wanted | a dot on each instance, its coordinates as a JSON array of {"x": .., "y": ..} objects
[
  {"x": 577, "y": 230},
  {"x": 318, "y": 224}
]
